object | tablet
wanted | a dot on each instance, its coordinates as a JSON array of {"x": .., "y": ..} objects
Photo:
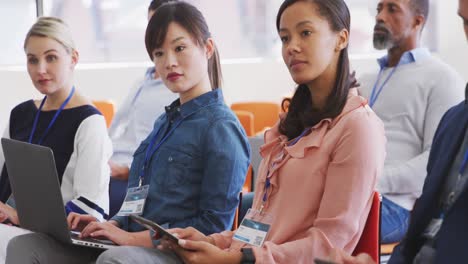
[{"x": 153, "y": 226}]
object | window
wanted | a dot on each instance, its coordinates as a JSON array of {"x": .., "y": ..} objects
[
  {"x": 362, "y": 25},
  {"x": 104, "y": 30},
  {"x": 15, "y": 19},
  {"x": 113, "y": 30}
]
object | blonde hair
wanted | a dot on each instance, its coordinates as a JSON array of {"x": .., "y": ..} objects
[{"x": 54, "y": 28}]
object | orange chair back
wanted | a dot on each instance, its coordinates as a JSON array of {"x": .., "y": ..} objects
[
  {"x": 387, "y": 249},
  {"x": 107, "y": 109},
  {"x": 266, "y": 114},
  {"x": 247, "y": 121},
  {"x": 370, "y": 239}
]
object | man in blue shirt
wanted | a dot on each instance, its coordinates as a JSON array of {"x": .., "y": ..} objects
[
  {"x": 437, "y": 231},
  {"x": 410, "y": 105}
]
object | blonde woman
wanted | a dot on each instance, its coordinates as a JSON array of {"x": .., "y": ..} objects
[{"x": 62, "y": 120}]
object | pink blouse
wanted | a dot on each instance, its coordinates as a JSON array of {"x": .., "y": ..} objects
[{"x": 321, "y": 189}]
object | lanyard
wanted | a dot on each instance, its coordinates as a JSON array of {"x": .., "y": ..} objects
[
  {"x": 464, "y": 163},
  {"x": 150, "y": 150},
  {"x": 36, "y": 119},
  {"x": 267, "y": 181},
  {"x": 458, "y": 187},
  {"x": 377, "y": 90}
]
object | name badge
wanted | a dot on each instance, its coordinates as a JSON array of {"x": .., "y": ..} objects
[
  {"x": 433, "y": 228},
  {"x": 254, "y": 228},
  {"x": 134, "y": 201}
]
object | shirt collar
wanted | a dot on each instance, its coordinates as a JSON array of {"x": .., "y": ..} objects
[
  {"x": 408, "y": 57},
  {"x": 192, "y": 106},
  {"x": 297, "y": 150}
]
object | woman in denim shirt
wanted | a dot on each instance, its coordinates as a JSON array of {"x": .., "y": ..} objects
[
  {"x": 320, "y": 163},
  {"x": 201, "y": 151}
]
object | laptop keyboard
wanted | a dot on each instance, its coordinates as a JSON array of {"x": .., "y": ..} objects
[{"x": 75, "y": 235}]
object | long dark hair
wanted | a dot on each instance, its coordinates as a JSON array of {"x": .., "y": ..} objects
[
  {"x": 301, "y": 112},
  {"x": 190, "y": 18}
]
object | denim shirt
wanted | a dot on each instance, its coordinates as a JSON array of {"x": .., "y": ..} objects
[{"x": 196, "y": 175}]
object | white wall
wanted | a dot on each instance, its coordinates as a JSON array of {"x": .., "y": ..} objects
[{"x": 453, "y": 47}]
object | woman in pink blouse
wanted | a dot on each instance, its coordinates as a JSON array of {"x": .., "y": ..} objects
[{"x": 320, "y": 162}]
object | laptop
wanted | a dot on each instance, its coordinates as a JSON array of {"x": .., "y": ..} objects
[{"x": 35, "y": 185}]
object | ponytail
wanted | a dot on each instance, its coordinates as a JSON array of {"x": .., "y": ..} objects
[{"x": 214, "y": 70}]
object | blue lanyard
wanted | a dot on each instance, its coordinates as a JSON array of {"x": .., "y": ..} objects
[
  {"x": 376, "y": 91},
  {"x": 464, "y": 163},
  {"x": 268, "y": 182},
  {"x": 150, "y": 150},
  {"x": 36, "y": 119}
]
